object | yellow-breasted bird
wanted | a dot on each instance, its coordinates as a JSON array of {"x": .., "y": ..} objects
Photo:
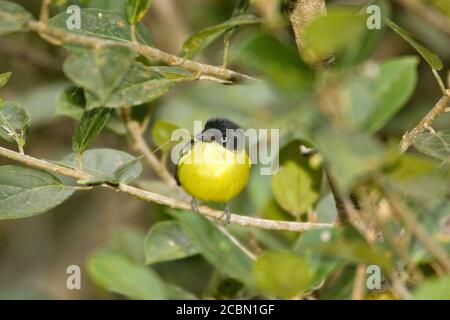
[{"x": 215, "y": 167}]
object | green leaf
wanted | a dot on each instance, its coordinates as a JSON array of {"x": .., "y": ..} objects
[
  {"x": 4, "y": 77},
  {"x": 125, "y": 173},
  {"x": 435, "y": 289},
  {"x": 281, "y": 274},
  {"x": 91, "y": 124},
  {"x": 142, "y": 84},
  {"x": 204, "y": 37},
  {"x": 296, "y": 185},
  {"x": 27, "y": 192},
  {"x": 276, "y": 60},
  {"x": 374, "y": 99},
  {"x": 162, "y": 134},
  {"x": 99, "y": 70},
  {"x": 72, "y": 103},
  {"x": 166, "y": 241},
  {"x": 321, "y": 39},
  {"x": 430, "y": 57},
  {"x": 13, "y": 17},
  {"x": 136, "y": 10},
  {"x": 178, "y": 293},
  {"x": 215, "y": 247},
  {"x": 129, "y": 241},
  {"x": 344, "y": 245},
  {"x": 436, "y": 145},
  {"x": 352, "y": 156},
  {"x": 116, "y": 273},
  {"x": 103, "y": 24},
  {"x": 102, "y": 162},
  {"x": 14, "y": 122}
]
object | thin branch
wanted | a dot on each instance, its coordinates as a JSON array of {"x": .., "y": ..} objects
[
  {"x": 301, "y": 13},
  {"x": 65, "y": 37},
  {"x": 425, "y": 123},
  {"x": 359, "y": 283},
  {"x": 164, "y": 200},
  {"x": 427, "y": 13},
  {"x": 45, "y": 11},
  {"x": 138, "y": 143}
]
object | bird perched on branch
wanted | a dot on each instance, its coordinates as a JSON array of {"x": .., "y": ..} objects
[{"x": 215, "y": 167}]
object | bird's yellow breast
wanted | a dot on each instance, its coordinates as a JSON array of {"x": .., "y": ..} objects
[{"x": 210, "y": 172}]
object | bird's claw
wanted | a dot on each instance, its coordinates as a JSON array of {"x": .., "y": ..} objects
[
  {"x": 194, "y": 205},
  {"x": 227, "y": 215}
]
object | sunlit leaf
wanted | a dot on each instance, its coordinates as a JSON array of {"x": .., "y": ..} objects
[
  {"x": 430, "y": 57},
  {"x": 91, "y": 124},
  {"x": 167, "y": 241},
  {"x": 116, "y": 273},
  {"x": 204, "y": 37},
  {"x": 13, "y": 17},
  {"x": 296, "y": 185},
  {"x": 4, "y": 77},
  {"x": 162, "y": 134},
  {"x": 27, "y": 192},
  {"x": 281, "y": 274}
]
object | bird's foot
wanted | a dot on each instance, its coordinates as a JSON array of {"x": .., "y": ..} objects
[
  {"x": 227, "y": 215},
  {"x": 194, "y": 205}
]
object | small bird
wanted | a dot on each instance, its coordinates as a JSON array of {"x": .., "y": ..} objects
[{"x": 215, "y": 167}]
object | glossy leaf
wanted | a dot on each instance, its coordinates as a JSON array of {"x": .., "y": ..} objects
[
  {"x": 90, "y": 126},
  {"x": 103, "y": 24},
  {"x": 204, "y": 37},
  {"x": 13, "y": 17},
  {"x": 436, "y": 145},
  {"x": 296, "y": 185},
  {"x": 27, "y": 192},
  {"x": 99, "y": 70},
  {"x": 281, "y": 274},
  {"x": 321, "y": 39},
  {"x": 116, "y": 273},
  {"x": 14, "y": 122},
  {"x": 167, "y": 241},
  {"x": 136, "y": 10},
  {"x": 215, "y": 247},
  {"x": 430, "y": 57},
  {"x": 4, "y": 77}
]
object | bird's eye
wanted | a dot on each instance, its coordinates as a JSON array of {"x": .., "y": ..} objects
[{"x": 223, "y": 139}]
